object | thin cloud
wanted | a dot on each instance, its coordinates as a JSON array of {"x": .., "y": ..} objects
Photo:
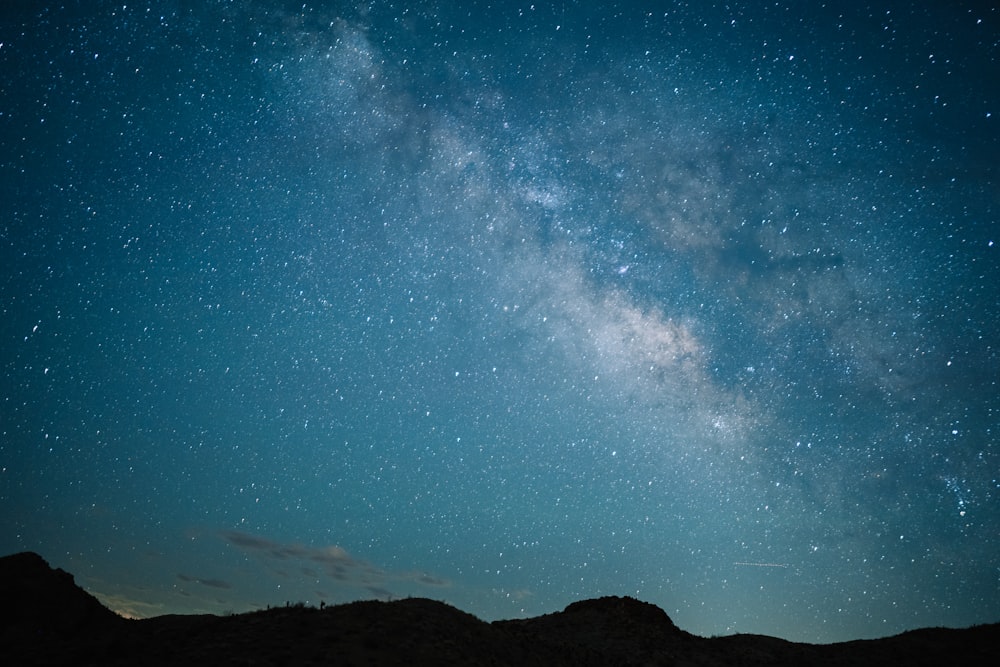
[
  {"x": 211, "y": 583},
  {"x": 429, "y": 579},
  {"x": 334, "y": 561}
]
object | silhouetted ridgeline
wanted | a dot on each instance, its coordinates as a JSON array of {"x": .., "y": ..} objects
[{"x": 48, "y": 619}]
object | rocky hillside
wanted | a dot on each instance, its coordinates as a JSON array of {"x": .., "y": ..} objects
[{"x": 48, "y": 620}]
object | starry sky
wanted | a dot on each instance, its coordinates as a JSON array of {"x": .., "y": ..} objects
[{"x": 507, "y": 306}]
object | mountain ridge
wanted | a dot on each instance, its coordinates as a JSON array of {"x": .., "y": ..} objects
[{"x": 50, "y": 620}]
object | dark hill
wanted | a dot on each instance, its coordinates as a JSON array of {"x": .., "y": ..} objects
[
  {"x": 47, "y": 619},
  {"x": 47, "y": 600},
  {"x": 45, "y": 613}
]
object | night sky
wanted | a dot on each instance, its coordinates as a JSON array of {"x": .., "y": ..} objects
[{"x": 507, "y": 306}]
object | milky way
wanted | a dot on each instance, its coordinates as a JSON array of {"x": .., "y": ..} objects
[{"x": 506, "y": 307}]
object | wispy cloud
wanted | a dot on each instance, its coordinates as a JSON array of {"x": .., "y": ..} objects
[
  {"x": 333, "y": 561},
  {"x": 211, "y": 583}
]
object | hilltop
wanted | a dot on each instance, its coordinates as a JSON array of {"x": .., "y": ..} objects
[{"x": 48, "y": 619}]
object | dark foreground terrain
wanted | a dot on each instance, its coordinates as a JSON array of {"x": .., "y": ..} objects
[{"x": 47, "y": 619}]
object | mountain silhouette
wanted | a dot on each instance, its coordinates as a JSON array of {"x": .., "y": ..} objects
[{"x": 48, "y": 620}]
